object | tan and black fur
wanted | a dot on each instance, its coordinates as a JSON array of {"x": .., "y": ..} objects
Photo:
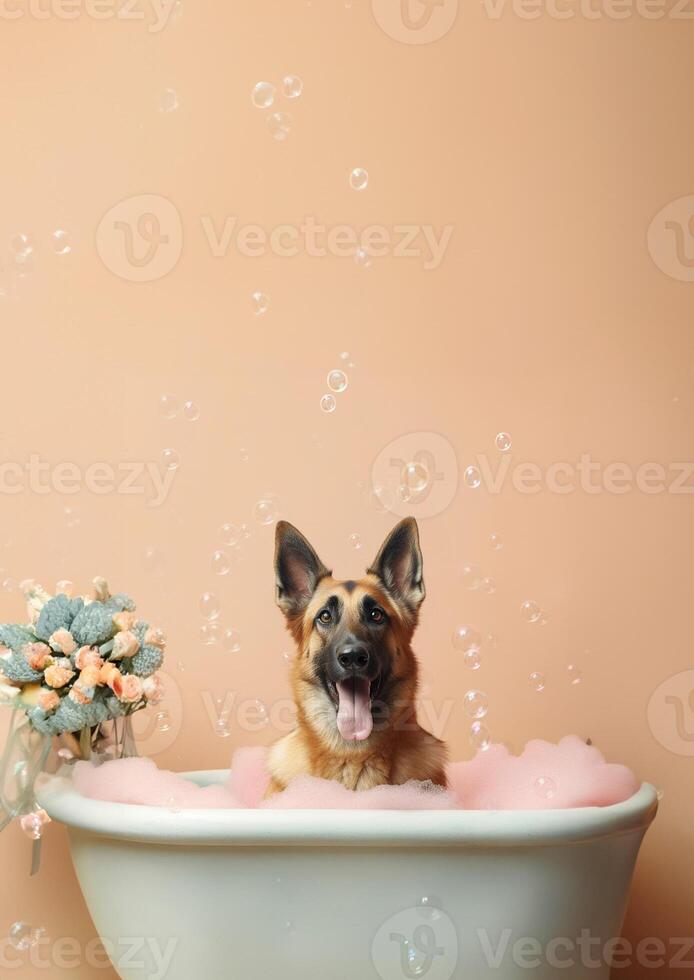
[{"x": 373, "y": 619}]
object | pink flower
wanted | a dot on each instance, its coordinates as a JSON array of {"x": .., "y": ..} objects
[
  {"x": 155, "y": 636},
  {"x": 89, "y": 676},
  {"x": 58, "y": 676},
  {"x": 88, "y": 657},
  {"x": 37, "y": 655},
  {"x": 125, "y": 644},
  {"x": 124, "y": 620},
  {"x": 48, "y": 700},
  {"x": 153, "y": 689},
  {"x": 131, "y": 688},
  {"x": 110, "y": 675},
  {"x": 63, "y": 641}
]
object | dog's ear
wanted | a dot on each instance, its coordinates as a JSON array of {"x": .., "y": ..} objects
[
  {"x": 298, "y": 569},
  {"x": 399, "y": 564}
]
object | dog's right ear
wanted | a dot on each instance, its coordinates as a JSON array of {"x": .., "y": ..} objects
[{"x": 298, "y": 569}]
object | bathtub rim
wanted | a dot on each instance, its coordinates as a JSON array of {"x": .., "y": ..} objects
[{"x": 413, "y": 828}]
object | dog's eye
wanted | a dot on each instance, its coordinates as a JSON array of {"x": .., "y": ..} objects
[
  {"x": 377, "y": 615},
  {"x": 325, "y": 616}
]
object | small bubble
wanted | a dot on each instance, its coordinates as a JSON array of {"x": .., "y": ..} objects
[
  {"x": 292, "y": 86},
  {"x": 471, "y": 576},
  {"x": 168, "y": 406},
  {"x": 660, "y": 793},
  {"x": 167, "y": 101},
  {"x": 209, "y": 605},
  {"x": 479, "y": 736},
  {"x": 171, "y": 459},
  {"x": 265, "y": 512},
  {"x": 263, "y": 95},
  {"x": 475, "y": 704},
  {"x": 163, "y": 720},
  {"x": 503, "y": 442},
  {"x": 221, "y": 728},
  {"x": 180, "y": 666},
  {"x": 404, "y": 493},
  {"x": 328, "y": 403},
  {"x": 488, "y": 585},
  {"x": 60, "y": 242},
  {"x": 245, "y": 530},
  {"x": 243, "y": 455},
  {"x": 429, "y": 907},
  {"x": 23, "y": 936},
  {"x": 153, "y": 558},
  {"x": 492, "y": 640},
  {"x": 355, "y": 541},
  {"x": 230, "y": 534},
  {"x": 472, "y": 477},
  {"x": 415, "y": 476},
  {"x": 287, "y": 657},
  {"x": 575, "y": 674},
  {"x": 8, "y": 584},
  {"x": 495, "y": 542},
  {"x": 172, "y": 805},
  {"x": 65, "y": 754},
  {"x": 65, "y": 586},
  {"x": 337, "y": 381},
  {"x": 221, "y": 563},
  {"x": 210, "y": 633},
  {"x": 345, "y": 355},
  {"x": 22, "y": 246},
  {"x": 466, "y": 639},
  {"x": 473, "y": 659},
  {"x": 530, "y": 611},
  {"x": 537, "y": 681},
  {"x": 261, "y": 303},
  {"x": 261, "y": 712},
  {"x": 279, "y": 124},
  {"x": 545, "y": 787},
  {"x": 191, "y": 412},
  {"x": 381, "y": 499},
  {"x": 231, "y": 640},
  {"x": 72, "y": 516},
  {"x": 32, "y": 824},
  {"x": 359, "y": 179},
  {"x": 362, "y": 258}
]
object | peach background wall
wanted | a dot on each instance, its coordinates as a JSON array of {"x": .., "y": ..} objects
[{"x": 547, "y": 145}]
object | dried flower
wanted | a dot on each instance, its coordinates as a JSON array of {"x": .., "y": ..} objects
[
  {"x": 37, "y": 655},
  {"x": 48, "y": 700},
  {"x": 56, "y": 676},
  {"x": 125, "y": 644},
  {"x": 131, "y": 689},
  {"x": 88, "y": 657},
  {"x": 153, "y": 689},
  {"x": 63, "y": 641}
]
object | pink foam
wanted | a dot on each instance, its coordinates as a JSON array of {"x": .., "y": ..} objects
[{"x": 544, "y": 776}]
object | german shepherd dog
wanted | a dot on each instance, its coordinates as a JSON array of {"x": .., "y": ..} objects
[{"x": 354, "y": 676}]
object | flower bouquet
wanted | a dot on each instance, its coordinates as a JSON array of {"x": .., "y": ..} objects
[{"x": 77, "y": 672}]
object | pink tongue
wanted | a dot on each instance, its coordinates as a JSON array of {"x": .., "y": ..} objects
[{"x": 354, "y": 721}]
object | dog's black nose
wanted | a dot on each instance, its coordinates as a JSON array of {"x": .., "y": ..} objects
[{"x": 353, "y": 657}]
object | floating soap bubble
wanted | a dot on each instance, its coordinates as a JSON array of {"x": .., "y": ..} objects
[
  {"x": 344, "y": 356},
  {"x": 221, "y": 728},
  {"x": 475, "y": 704},
  {"x": 210, "y": 633},
  {"x": 21, "y": 246},
  {"x": 171, "y": 459},
  {"x": 337, "y": 380},
  {"x": 292, "y": 86},
  {"x": 328, "y": 404},
  {"x": 471, "y": 576},
  {"x": 355, "y": 541},
  {"x": 153, "y": 558},
  {"x": 168, "y": 406},
  {"x": 472, "y": 477},
  {"x": 415, "y": 476},
  {"x": 245, "y": 530},
  {"x": 163, "y": 720},
  {"x": 60, "y": 242},
  {"x": 473, "y": 659},
  {"x": 8, "y": 585},
  {"x": 479, "y": 736},
  {"x": 72, "y": 516},
  {"x": 221, "y": 563},
  {"x": 191, "y": 412},
  {"x": 359, "y": 179},
  {"x": 465, "y": 639},
  {"x": 279, "y": 124},
  {"x": 230, "y": 534},
  {"x": 537, "y": 681},
  {"x": 429, "y": 907},
  {"x": 488, "y": 585},
  {"x": 209, "y": 605},
  {"x": 381, "y": 498},
  {"x": 263, "y": 95},
  {"x": 33, "y": 823},
  {"x": 261, "y": 712},
  {"x": 495, "y": 542},
  {"x": 65, "y": 754},
  {"x": 243, "y": 455},
  {"x": 404, "y": 493},
  {"x": 503, "y": 442},
  {"x": 545, "y": 787},
  {"x": 530, "y": 611},
  {"x": 231, "y": 640},
  {"x": 362, "y": 258},
  {"x": 265, "y": 512},
  {"x": 167, "y": 101},
  {"x": 23, "y": 936},
  {"x": 575, "y": 674},
  {"x": 65, "y": 586},
  {"x": 492, "y": 640},
  {"x": 261, "y": 303}
]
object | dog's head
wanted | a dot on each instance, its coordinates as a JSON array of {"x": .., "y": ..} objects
[{"x": 354, "y": 670}]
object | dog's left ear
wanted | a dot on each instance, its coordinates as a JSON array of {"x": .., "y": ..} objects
[{"x": 399, "y": 564}]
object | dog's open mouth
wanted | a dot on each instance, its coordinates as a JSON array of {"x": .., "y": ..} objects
[{"x": 354, "y": 718}]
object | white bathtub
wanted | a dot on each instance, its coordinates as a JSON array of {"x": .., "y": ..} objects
[{"x": 337, "y": 895}]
